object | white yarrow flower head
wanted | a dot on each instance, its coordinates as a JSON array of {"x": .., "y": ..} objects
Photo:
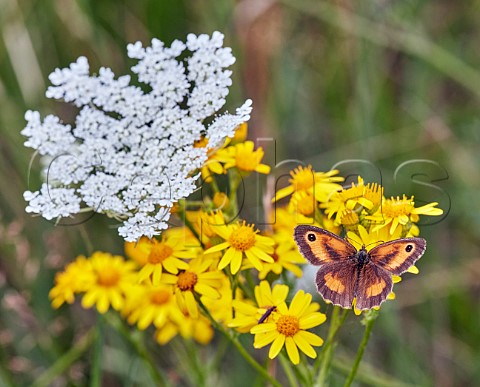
[{"x": 130, "y": 153}]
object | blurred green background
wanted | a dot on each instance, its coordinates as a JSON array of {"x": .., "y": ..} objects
[{"x": 387, "y": 89}]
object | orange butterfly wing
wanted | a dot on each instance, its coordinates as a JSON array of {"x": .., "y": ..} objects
[
  {"x": 336, "y": 277},
  {"x": 319, "y": 246},
  {"x": 398, "y": 255}
]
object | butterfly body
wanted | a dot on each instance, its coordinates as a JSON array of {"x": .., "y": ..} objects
[{"x": 346, "y": 273}]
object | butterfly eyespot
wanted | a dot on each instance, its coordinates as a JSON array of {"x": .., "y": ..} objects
[
  {"x": 311, "y": 237},
  {"x": 409, "y": 248}
]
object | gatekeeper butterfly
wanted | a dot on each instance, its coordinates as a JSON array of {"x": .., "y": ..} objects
[{"x": 346, "y": 273}]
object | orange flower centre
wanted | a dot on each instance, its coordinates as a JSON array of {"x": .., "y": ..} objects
[
  {"x": 302, "y": 178},
  {"x": 160, "y": 297},
  {"x": 186, "y": 280},
  {"x": 243, "y": 238},
  {"x": 108, "y": 278},
  {"x": 160, "y": 251},
  {"x": 288, "y": 325}
]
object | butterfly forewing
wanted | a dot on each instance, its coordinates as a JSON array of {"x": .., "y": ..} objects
[
  {"x": 398, "y": 255},
  {"x": 320, "y": 246},
  {"x": 336, "y": 282},
  {"x": 374, "y": 284}
]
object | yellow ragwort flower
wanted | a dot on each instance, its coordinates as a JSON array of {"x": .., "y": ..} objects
[
  {"x": 319, "y": 184},
  {"x": 289, "y": 329},
  {"x": 207, "y": 224},
  {"x": 156, "y": 256},
  {"x": 147, "y": 304},
  {"x": 198, "y": 278},
  {"x": 212, "y": 165},
  {"x": 241, "y": 133},
  {"x": 243, "y": 157},
  {"x": 285, "y": 257},
  {"x": 74, "y": 279},
  {"x": 242, "y": 240},
  {"x": 199, "y": 329},
  {"x": 346, "y": 199},
  {"x": 401, "y": 211},
  {"x": 112, "y": 277},
  {"x": 215, "y": 162},
  {"x": 248, "y": 313},
  {"x": 221, "y": 309},
  {"x": 302, "y": 202}
]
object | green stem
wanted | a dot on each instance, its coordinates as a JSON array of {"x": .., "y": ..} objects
[
  {"x": 183, "y": 215},
  {"x": 234, "y": 340},
  {"x": 287, "y": 368},
  {"x": 137, "y": 343},
  {"x": 369, "y": 320},
  {"x": 324, "y": 362},
  {"x": 213, "y": 184},
  {"x": 192, "y": 354},
  {"x": 86, "y": 239},
  {"x": 220, "y": 351},
  {"x": 195, "y": 204},
  {"x": 234, "y": 180},
  {"x": 64, "y": 362},
  {"x": 96, "y": 377}
]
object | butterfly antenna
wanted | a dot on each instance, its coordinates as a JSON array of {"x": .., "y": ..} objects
[
  {"x": 359, "y": 241},
  {"x": 376, "y": 243}
]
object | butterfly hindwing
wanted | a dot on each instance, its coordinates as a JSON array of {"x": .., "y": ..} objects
[
  {"x": 336, "y": 282},
  {"x": 374, "y": 284},
  {"x": 319, "y": 246},
  {"x": 398, "y": 255}
]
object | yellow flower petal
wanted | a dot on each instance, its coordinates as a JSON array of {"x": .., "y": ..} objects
[
  {"x": 262, "y": 168},
  {"x": 264, "y": 327},
  {"x": 102, "y": 303},
  {"x": 206, "y": 290},
  {"x": 292, "y": 350},
  {"x": 254, "y": 260},
  {"x": 300, "y": 302},
  {"x": 304, "y": 346},
  {"x": 226, "y": 259},
  {"x": 219, "y": 247},
  {"x": 413, "y": 269},
  {"x": 157, "y": 274},
  {"x": 145, "y": 272},
  {"x": 312, "y": 320},
  {"x": 277, "y": 346},
  {"x": 263, "y": 339},
  {"x": 282, "y": 193},
  {"x": 236, "y": 261},
  {"x": 310, "y": 338},
  {"x": 191, "y": 304}
]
